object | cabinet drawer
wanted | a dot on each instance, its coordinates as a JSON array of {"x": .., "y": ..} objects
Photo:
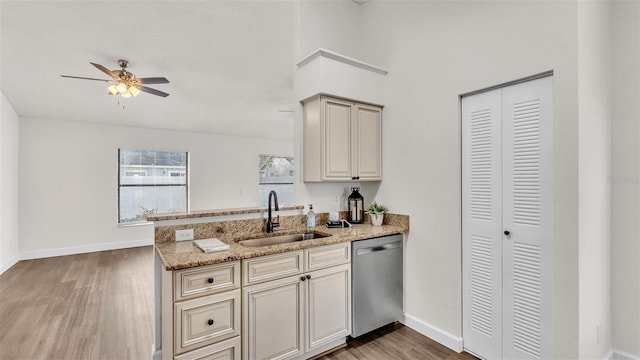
[
  {"x": 271, "y": 267},
  {"x": 206, "y": 319},
  {"x": 206, "y": 280},
  {"x": 224, "y": 350},
  {"x": 325, "y": 256}
]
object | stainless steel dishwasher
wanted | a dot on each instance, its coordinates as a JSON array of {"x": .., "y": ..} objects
[{"x": 376, "y": 283}]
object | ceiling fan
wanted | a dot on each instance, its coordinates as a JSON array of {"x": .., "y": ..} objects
[{"x": 124, "y": 83}]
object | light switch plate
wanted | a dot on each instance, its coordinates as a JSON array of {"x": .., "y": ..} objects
[{"x": 182, "y": 235}]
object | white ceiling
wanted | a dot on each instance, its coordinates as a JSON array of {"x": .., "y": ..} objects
[{"x": 230, "y": 63}]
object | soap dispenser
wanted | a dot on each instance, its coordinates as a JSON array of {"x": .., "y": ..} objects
[{"x": 311, "y": 217}]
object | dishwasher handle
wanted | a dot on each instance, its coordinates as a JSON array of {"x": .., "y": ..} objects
[{"x": 372, "y": 249}]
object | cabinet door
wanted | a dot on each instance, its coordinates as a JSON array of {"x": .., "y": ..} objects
[
  {"x": 328, "y": 310},
  {"x": 368, "y": 142},
  {"x": 272, "y": 319},
  {"x": 337, "y": 115}
]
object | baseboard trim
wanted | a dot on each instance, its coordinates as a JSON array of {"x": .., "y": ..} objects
[
  {"x": 621, "y": 355},
  {"x": 451, "y": 341},
  {"x": 608, "y": 355},
  {"x": 8, "y": 264},
  {"x": 72, "y": 250}
]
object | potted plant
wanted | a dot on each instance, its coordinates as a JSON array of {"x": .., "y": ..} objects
[{"x": 376, "y": 212}]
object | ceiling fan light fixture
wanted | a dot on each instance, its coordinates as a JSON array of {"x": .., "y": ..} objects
[
  {"x": 134, "y": 91},
  {"x": 124, "y": 83},
  {"x": 113, "y": 90},
  {"x": 122, "y": 88}
]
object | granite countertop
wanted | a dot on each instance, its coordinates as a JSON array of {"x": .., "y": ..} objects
[{"x": 184, "y": 254}]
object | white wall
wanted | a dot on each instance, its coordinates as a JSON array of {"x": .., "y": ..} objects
[
  {"x": 435, "y": 51},
  {"x": 68, "y": 180},
  {"x": 331, "y": 25},
  {"x": 625, "y": 178},
  {"x": 594, "y": 92},
  {"x": 9, "y": 185}
]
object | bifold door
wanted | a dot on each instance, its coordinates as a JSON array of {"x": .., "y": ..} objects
[{"x": 507, "y": 221}]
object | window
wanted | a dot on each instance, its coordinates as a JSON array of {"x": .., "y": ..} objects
[
  {"x": 276, "y": 173},
  {"x": 151, "y": 182}
]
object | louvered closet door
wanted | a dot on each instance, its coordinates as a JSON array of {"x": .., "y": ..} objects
[
  {"x": 527, "y": 141},
  {"x": 482, "y": 224},
  {"x": 507, "y": 143}
]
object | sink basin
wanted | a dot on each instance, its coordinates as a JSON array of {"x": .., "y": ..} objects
[{"x": 281, "y": 239}]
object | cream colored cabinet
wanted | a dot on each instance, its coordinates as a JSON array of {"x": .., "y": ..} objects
[
  {"x": 205, "y": 320},
  {"x": 272, "y": 319},
  {"x": 200, "y": 311},
  {"x": 342, "y": 140},
  {"x": 328, "y": 306},
  {"x": 301, "y": 315}
]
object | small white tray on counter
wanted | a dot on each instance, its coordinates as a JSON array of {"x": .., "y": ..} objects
[{"x": 211, "y": 245}]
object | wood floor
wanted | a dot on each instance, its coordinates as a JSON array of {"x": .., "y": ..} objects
[
  {"x": 89, "y": 306},
  {"x": 396, "y": 342},
  {"x": 100, "y": 306}
]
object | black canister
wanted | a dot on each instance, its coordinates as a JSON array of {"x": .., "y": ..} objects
[{"x": 356, "y": 206}]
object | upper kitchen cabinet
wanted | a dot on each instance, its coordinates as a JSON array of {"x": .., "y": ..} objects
[{"x": 342, "y": 140}]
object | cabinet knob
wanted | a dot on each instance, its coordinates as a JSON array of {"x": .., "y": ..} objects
[
  {"x": 210, "y": 322},
  {"x": 507, "y": 232},
  {"x": 210, "y": 280},
  {"x": 303, "y": 278},
  {"x": 308, "y": 277}
]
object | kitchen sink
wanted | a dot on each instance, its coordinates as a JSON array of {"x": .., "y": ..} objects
[{"x": 281, "y": 239}]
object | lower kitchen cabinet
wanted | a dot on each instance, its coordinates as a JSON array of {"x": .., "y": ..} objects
[
  {"x": 207, "y": 319},
  {"x": 300, "y": 315},
  {"x": 288, "y": 317},
  {"x": 198, "y": 312},
  {"x": 292, "y": 305},
  {"x": 328, "y": 306},
  {"x": 273, "y": 318}
]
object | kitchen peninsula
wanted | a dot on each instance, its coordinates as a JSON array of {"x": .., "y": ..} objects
[{"x": 217, "y": 303}]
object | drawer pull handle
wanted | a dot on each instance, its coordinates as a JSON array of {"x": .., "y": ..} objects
[
  {"x": 303, "y": 278},
  {"x": 308, "y": 277},
  {"x": 210, "y": 280},
  {"x": 210, "y": 322}
]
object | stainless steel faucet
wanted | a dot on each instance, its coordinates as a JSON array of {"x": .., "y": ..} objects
[{"x": 270, "y": 223}]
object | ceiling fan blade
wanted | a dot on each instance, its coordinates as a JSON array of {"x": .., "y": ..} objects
[
  {"x": 85, "y": 78},
  {"x": 106, "y": 71},
  {"x": 152, "y": 91},
  {"x": 151, "y": 80}
]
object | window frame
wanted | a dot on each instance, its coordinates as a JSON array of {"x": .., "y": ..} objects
[{"x": 186, "y": 184}]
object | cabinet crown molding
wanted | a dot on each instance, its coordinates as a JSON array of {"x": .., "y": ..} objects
[
  {"x": 341, "y": 58},
  {"x": 327, "y": 72}
]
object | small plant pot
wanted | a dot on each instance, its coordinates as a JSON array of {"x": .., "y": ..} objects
[{"x": 376, "y": 220}]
